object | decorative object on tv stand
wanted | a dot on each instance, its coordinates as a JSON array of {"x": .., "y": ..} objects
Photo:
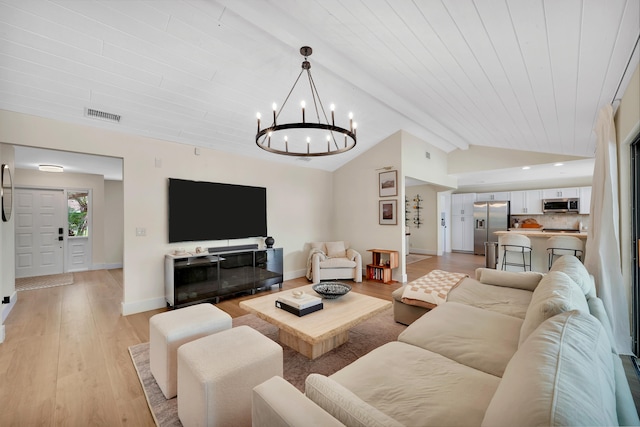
[
  {"x": 295, "y": 139},
  {"x": 269, "y": 241},
  {"x": 417, "y": 206}
]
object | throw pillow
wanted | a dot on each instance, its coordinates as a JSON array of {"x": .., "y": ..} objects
[
  {"x": 527, "y": 280},
  {"x": 555, "y": 294},
  {"x": 336, "y": 250}
]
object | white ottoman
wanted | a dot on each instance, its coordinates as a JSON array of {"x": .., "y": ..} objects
[
  {"x": 217, "y": 374},
  {"x": 171, "y": 329}
]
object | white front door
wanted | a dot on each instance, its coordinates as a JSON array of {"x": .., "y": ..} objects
[{"x": 39, "y": 227}]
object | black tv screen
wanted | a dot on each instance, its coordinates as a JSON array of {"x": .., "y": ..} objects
[{"x": 201, "y": 210}]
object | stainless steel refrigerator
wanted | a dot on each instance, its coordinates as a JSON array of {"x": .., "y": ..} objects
[{"x": 488, "y": 217}]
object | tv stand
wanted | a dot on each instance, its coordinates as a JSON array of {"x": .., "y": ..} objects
[{"x": 193, "y": 278}]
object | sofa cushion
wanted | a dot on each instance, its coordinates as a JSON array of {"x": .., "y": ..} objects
[
  {"x": 573, "y": 268},
  {"x": 562, "y": 375},
  {"x": 555, "y": 294},
  {"x": 513, "y": 302},
  {"x": 597, "y": 310},
  {"x": 337, "y": 263},
  {"x": 527, "y": 280},
  {"x": 343, "y": 405},
  {"x": 393, "y": 379},
  {"x": 481, "y": 339},
  {"x": 336, "y": 249}
]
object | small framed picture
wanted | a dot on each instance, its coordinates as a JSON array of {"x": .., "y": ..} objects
[
  {"x": 388, "y": 212},
  {"x": 388, "y": 183}
]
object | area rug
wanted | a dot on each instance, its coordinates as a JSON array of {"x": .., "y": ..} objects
[
  {"x": 363, "y": 338},
  {"x": 39, "y": 282},
  {"x": 411, "y": 258}
]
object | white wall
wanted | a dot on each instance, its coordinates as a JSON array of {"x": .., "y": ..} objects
[
  {"x": 356, "y": 201},
  {"x": 356, "y": 195},
  {"x": 7, "y": 250},
  {"x": 113, "y": 223},
  {"x": 29, "y": 178},
  {"x": 299, "y": 199}
]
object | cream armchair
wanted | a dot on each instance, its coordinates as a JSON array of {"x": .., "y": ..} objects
[{"x": 333, "y": 260}]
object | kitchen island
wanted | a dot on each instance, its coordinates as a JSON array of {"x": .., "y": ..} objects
[{"x": 539, "y": 255}]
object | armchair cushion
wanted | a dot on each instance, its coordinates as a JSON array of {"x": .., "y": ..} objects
[
  {"x": 336, "y": 249},
  {"x": 337, "y": 263}
]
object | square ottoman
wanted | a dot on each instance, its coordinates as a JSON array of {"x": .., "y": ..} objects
[
  {"x": 171, "y": 329},
  {"x": 217, "y": 374}
]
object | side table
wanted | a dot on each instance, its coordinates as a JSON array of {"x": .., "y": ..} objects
[{"x": 383, "y": 261}]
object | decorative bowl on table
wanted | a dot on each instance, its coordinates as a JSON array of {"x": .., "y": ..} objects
[{"x": 331, "y": 290}]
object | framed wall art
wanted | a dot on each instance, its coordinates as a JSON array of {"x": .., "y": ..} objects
[
  {"x": 388, "y": 212},
  {"x": 388, "y": 183}
]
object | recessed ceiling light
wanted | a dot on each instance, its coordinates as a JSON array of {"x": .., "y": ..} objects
[
  {"x": 526, "y": 168},
  {"x": 50, "y": 168},
  {"x": 558, "y": 164}
]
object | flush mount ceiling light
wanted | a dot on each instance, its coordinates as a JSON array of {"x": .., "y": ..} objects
[
  {"x": 50, "y": 168},
  {"x": 306, "y": 139}
]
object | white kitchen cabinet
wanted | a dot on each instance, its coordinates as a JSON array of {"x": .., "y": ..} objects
[
  {"x": 560, "y": 193},
  {"x": 462, "y": 233},
  {"x": 585, "y": 200},
  {"x": 462, "y": 204},
  {"x": 526, "y": 202},
  {"x": 490, "y": 197}
]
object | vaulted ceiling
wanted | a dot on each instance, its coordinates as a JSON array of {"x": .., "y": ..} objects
[{"x": 526, "y": 75}]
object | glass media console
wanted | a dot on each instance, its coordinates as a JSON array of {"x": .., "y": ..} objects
[{"x": 193, "y": 278}]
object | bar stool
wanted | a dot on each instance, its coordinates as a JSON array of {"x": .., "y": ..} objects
[
  {"x": 564, "y": 245},
  {"x": 516, "y": 243}
]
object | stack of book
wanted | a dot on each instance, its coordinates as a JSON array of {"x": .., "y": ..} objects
[{"x": 305, "y": 304}]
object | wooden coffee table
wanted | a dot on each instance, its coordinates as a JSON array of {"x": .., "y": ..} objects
[{"x": 317, "y": 333}]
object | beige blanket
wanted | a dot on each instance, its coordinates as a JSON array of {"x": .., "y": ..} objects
[{"x": 431, "y": 289}]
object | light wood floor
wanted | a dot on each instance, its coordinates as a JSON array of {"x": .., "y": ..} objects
[{"x": 65, "y": 359}]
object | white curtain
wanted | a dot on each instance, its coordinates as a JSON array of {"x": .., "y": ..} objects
[{"x": 603, "y": 246}]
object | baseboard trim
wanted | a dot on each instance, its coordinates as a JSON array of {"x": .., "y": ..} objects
[
  {"x": 142, "y": 306},
  {"x": 290, "y": 275}
]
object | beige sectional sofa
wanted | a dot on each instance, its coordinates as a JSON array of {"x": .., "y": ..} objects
[{"x": 505, "y": 349}]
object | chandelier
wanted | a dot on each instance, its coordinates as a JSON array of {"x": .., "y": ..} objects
[{"x": 318, "y": 137}]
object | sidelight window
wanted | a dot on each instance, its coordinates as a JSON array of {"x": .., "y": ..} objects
[{"x": 78, "y": 213}]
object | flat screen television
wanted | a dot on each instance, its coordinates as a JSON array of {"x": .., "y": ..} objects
[{"x": 201, "y": 211}]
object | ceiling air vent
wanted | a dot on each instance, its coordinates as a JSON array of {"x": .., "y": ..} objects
[{"x": 102, "y": 115}]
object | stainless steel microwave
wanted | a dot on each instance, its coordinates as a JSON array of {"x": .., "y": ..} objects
[{"x": 561, "y": 205}]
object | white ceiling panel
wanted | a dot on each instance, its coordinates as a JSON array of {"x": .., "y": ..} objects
[{"x": 528, "y": 75}]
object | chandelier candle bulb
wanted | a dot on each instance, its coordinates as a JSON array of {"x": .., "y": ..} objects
[
  {"x": 333, "y": 110},
  {"x": 286, "y": 143},
  {"x": 258, "y": 116},
  {"x": 303, "y": 105},
  {"x": 275, "y": 108},
  {"x": 351, "y": 121}
]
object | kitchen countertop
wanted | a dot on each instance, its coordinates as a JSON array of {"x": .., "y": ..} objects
[{"x": 537, "y": 233}]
